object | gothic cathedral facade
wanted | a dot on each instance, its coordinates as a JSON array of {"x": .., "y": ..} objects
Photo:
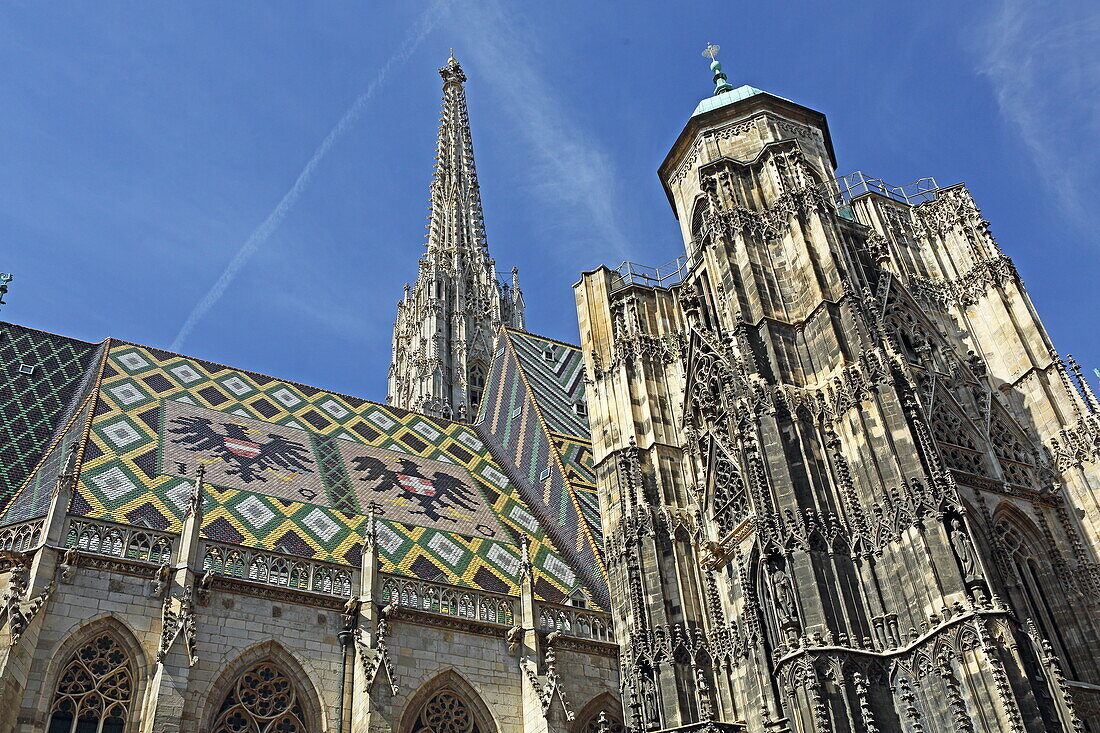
[
  {"x": 824, "y": 473},
  {"x": 846, "y": 481}
]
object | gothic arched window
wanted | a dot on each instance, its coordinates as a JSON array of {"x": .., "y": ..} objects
[
  {"x": 477, "y": 388},
  {"x": 445, "y": 712},
  {"x": 1034, "y": 578},
  {"x": 262, "y": 700},
  {"x": 95, "y": 689},
  {"x": 603, "y": 722}
]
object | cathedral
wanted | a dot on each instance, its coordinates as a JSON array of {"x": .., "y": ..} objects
[{"x": 823, "y": 472}]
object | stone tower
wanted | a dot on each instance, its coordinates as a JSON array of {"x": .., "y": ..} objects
[
  {"x": 443, "y": 338},
  {"x": 847, "y": 483}
]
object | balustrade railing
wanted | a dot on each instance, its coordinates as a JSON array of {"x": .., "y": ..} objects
[
  {"x": 583, "y": 623},
  {"x": 271, "y": 568},
  {"x": 131, "y": 543},
  {"x": 448, "y": 600},
  {"x": 22, "y": 536}
]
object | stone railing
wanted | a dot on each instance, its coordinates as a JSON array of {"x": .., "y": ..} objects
[
  {"x": 582, "y": 623},
  {"x": 21, "y": 537},
  {"x": 119, "y": 540},
  {"x": 448, "y": 600},
  {"x": 270, "y": 568}
]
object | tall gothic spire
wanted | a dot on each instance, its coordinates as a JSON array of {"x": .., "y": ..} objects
[
  {"x": 444, "y": 335},
  {"x": 455, "y": 221}
]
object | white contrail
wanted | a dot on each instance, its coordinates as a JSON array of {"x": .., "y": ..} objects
[
  {"x": 571, "y": 170},
  {"x": 420, "y": 29}
]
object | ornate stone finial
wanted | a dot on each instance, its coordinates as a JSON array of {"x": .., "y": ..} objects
[
  {"x": 526, "y": 569},
  {"x": 197, "y": 494},
  {"x": 721, "y": 83},
  {"x": 67, "y": 477},
  {"x": 5, "y": 278},
  {"x": 452, "y": 72},
  {"x": 370, "y": 535}
]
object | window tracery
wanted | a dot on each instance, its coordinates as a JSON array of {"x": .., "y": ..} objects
[
  {"x": 95, "y": 689},
  {"x": 603, "y": 722},
  {"x": 1014, "y": 456},
  {"x": 445, "y": 712},
  {"x": 959, "y": 449},
  {"x": 1033, "y": 574},
  {"x": 477, "y": 386},
  {"x": 262, "y": 700}
]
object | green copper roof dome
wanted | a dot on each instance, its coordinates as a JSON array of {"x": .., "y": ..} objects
[{"x": 721, "y": 100}]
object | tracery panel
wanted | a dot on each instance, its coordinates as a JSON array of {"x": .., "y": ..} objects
[
  {"x": 95, "y": 689},
  {"x": 445, "y": 712},
  {"x": 262, "y": 700}
]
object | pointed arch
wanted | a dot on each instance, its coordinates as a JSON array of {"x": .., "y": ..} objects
[
  {"x": 589, "y": 717},
  {"x": 699, "y": 229},
  {"x": 447, "y": 693},
  {"x": 266, "y": 659},
  {"x": 475, "y": 382},
  {"x": 112, "y": 669},
  {"x": 1034, "y": 591}
]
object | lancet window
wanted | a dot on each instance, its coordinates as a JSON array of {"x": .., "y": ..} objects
[
  {"x": 95, "y": 689},
  {"x": 477, "y": 387},
  {"x": 1034, "y": 578}
]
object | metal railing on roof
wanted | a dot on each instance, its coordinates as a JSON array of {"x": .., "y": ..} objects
[
  {"x": 665, "y": 276},
  {"x": 840, "y": 190},
  {"x": 858, "y": 183}
]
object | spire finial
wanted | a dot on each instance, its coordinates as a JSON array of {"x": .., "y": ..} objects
[
  {"x": 451, "y": 58},
  {"x": 721, "y": 83}
]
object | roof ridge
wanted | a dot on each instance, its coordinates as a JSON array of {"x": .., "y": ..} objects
[
  {"x": 294, "y": 383},
  {"x": 522, "y": 332},
  {"x": 51, "y": 333},
  {"x": 561, "y": 466}
]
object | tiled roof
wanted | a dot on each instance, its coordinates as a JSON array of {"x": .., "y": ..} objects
[
  {"x": 39, "y": 375},
  {"x": 292, "y": 468},
  {"x": 555, "y": 371},
  {"x": 527, "y": 411},
  {"x": 295, "y": 469}
]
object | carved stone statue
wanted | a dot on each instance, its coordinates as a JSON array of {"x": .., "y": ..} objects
[
  {"x": 784, "y": 597},
  {"x": 351, "y": 611},
  {"x": 964, "y": 550}
]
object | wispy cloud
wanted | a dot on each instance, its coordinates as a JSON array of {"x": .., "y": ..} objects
[
  {"x": 1043, "y": 59},
  {"x": 571, "y": 172},
  {"x": 419, "y": 30}
]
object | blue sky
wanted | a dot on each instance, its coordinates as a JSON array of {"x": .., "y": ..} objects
[{"x": 144, "y": 144}]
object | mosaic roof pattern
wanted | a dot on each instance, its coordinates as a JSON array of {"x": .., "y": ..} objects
[
  {"x": 33, "y": 499},
  {"x": 284, "y": 473},
  {"x": 555, "y": 373},
  {"x": 39, "y": 375},
  {"x": 552, "y": 470}
]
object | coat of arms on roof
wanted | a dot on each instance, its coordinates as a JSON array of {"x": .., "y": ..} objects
[
  {"x": 246, "y": 451},
  {"x": 432, "y": 495}
]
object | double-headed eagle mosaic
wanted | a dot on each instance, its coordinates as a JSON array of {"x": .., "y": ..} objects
[
  {"x": 244, "y": 451},
  {"x": 441, "y": 491}
]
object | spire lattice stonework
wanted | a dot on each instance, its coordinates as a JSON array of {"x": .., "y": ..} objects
[{"x": 443, "y": 338}]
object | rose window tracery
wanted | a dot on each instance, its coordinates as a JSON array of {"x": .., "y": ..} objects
[
  {"x": 445, "y": 712},
  {"x": 95, "y": 689},
  {"x": 262, "y": 700}
]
